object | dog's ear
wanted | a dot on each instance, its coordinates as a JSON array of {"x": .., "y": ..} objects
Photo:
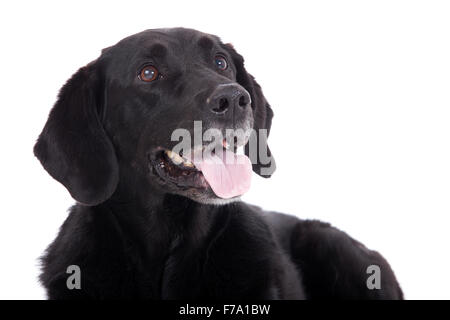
[
  {"x": 262, "y": 159},
  {"x": 73, "y": 146}
]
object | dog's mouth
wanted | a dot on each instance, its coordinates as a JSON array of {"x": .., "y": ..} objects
[
  {"x": 177, "y": 170},
  {"x": 222, "y": 170}
]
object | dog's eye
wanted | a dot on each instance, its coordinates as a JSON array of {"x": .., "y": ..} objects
[
  {"x": 148, "y": 74},
  {"x": 221, "y": 62}
]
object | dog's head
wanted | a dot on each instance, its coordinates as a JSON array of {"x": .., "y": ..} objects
[{"x": 161, "y": 110}]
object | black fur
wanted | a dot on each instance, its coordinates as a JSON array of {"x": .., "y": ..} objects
[{"x": 136, "y": 237}]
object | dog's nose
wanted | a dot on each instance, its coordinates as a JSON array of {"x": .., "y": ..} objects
[{"x": 227, "y": 96}]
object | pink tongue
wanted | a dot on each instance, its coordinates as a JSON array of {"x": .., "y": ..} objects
[{"x": 228, "y": 174}]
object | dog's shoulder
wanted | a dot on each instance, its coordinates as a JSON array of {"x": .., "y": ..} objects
[
  {"x": 89, "y": 240},
  {"x": 280, "y": 225},
  {"x": 85, "y": 228}
]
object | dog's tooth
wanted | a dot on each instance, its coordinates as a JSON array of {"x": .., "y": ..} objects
[
  {"x": 177, "y": 159},
  {"x": 174, "y": 157},
  {"x": 187, "y": 163},
  {"x": 169, "y": 153}
]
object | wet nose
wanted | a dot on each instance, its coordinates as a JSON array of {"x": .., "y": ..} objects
[{"x": 227, "y": 96}]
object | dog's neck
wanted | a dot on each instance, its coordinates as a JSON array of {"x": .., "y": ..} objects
[{"x": 165, "y": 219}]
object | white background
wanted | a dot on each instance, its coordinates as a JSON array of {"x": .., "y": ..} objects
[{"x": 361, "y": 94}]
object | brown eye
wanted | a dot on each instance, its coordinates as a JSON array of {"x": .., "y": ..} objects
[
  {"x": 221, "y": 62},
  {"x": 148, "y": 74}
]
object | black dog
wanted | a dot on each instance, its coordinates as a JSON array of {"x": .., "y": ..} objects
[{"x": 151, "y": 223}]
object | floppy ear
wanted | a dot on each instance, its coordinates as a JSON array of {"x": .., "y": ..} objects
[
  {"x": 262, "y": 115},
  {"x": 73, "y": 146}
]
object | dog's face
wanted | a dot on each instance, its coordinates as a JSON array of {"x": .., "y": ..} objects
[{"x": 118, "y": 121}]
